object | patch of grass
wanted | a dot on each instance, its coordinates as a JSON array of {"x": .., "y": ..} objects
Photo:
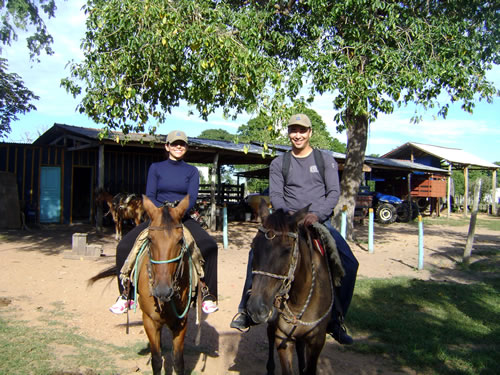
[
  {"x": 432, "y": 327},
  {"x": 490, "y": 222},
  {"x": 28, "y": 349}
]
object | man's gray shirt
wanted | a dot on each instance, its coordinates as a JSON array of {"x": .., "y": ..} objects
[{"x": 304, "y": 185}]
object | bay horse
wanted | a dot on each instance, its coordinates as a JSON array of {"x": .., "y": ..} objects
[
  {"x": 292, "y": 290},
  {"x": 122, "y": 207},
  {"x": 164, "y": 281}
]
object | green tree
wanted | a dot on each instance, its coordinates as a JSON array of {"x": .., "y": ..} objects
[
  {"x": 218, "y": 134},
  {"x": 261, "y": 128},
  {"x": 221, "y": 135},
  {"x": 21, "y": 16},
  {"x": 14, "y": 98},
  {"x": 142, "y": 57}
]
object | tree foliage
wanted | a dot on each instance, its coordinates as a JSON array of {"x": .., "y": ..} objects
[
  {"x": 143, "y": 57},
  {"x": 261, "y": 129},
  {"x": 474, "y": 174},
  {"x": 14, "y": 98},
  {"x": 217, "y": 134},
  {"x": 21, "y": 16}
]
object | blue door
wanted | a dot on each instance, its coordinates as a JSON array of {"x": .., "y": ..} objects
[{"x": 50, "y": 195}]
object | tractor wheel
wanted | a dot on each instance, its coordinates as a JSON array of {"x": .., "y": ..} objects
[
  {"x": 385, "y": 213},
  {"x": 403, "y": 212}
]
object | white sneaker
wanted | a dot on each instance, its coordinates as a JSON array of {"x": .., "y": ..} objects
[
  {"x": 209, "y": 307},
  {"x": 120, "y": 305}
]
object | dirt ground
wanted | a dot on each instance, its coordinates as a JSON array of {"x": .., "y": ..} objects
[{"x": 38, "y": 271}]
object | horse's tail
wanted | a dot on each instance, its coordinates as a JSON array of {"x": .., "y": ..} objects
[{"x": 108, "y": 272}]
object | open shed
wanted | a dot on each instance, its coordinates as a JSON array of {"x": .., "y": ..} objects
[
  {"x": 58, "y": 174},
  {"x": 448, "y": 158}
]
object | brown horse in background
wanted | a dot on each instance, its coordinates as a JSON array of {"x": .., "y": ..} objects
[
  {"x": 164, "y": 281},
  {"x": 122, "y": 206},
  {"x": 291, "y": 290}
]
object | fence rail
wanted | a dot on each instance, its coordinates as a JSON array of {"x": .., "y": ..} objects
[{"x": 227, "y": 193}]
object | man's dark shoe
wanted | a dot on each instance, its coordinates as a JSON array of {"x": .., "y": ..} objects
[
  {"x": 241, "y": 321},
  {"x": 339, "y": 333}
]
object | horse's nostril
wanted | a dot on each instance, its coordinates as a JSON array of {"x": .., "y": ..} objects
[{"x": 163, "y": 292}]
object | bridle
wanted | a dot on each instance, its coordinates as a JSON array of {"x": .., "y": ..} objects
[
  {"x": 287, "y": 279},
  {"x": 178, "y": 270},
  {"x": 281, "y": 298}
]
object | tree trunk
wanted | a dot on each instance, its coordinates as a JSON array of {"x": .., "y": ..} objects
[
  {"x": 352, "y": 175},
  {"x": 472, "y": 224}
]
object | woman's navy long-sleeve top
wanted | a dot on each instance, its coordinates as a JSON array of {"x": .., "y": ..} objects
[{"x": 170, "y": 181}]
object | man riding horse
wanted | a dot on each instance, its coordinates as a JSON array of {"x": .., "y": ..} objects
[{"x": 299, "y": 178}]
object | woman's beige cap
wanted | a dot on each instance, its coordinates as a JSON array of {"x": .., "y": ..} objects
[{"x": 176, "y": 135}]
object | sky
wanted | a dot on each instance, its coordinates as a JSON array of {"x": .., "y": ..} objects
[{"x": 478, "y": 134}]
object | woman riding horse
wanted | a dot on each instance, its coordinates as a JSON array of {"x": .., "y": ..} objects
[
  {"x": 165, "y": 279},
  {"x": 169, "y": 181}
]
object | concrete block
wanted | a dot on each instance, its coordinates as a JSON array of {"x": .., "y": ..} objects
[
  {"x": 79, "y": 243},
  {"x": 93, "y": 250}
]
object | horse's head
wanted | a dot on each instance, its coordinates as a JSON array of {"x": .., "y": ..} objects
[
  {"x": 275, "y": 252},
  {"x": 102, "y": 195},
  {"x": 166, "y": 243}
]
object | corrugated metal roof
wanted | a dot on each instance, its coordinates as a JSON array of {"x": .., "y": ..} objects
[
  {"x": 451, "y": 155},
  {"x": 401, "y": 164},
  {"x": 201, "y": 150}
]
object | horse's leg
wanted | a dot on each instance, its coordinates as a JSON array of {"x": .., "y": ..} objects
[
  {"x": 285, "y": 352},
  {"x": 119, "y": 224},
  {"x": 300, "y": 349},
  {"x": 311, "y": 353},
  {"x": 270, "y": 366},
  {"x": 153, "y": 330},
  {"x": 178, "y": 335}
]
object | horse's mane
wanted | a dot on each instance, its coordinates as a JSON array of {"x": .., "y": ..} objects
[{"x": 280, "y": 221}]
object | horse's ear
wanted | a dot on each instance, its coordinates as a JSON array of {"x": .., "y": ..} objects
[
  {"x": 181, "y": 208},
  {"x": 300, "y": 214},
  {"x": 263, "y": 209},
  {"x": 149, "y": 206}
]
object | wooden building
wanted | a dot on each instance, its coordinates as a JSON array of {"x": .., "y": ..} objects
[
  {"x": 58, "y": 174},
  {"x": 446, "y": 158}
]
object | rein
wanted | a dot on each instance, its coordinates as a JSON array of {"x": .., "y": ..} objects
[
  {"x": 270, "y": 234},
  {"x": 290, "y": 317}
]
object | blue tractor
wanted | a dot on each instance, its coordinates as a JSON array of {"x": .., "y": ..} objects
[{"x": 388, "y": 209}]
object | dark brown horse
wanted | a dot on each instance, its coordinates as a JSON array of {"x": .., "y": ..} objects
[
  {"x": 291, "y": 290},
  {"x": 122, "y": 207},
  {"x": 164, "y": 281}
]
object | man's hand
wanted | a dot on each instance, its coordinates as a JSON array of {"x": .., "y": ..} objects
[{"x": 309, "y": 219}]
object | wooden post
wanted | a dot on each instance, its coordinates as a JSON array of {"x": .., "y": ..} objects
[
  {"x": 448, "y": 200},
  {"x": 370, "y": 230},
  {"x": 100, "y": 185},
  {"x": 213, "y": 171},
  {"x": 494, "y": 193},
  {"x": 224, "y": 227},
  {"x": 343, "y": 226},
  {"x": 409, "y": 197},
  {"x": 472, "y": 225},
  {"x": 466, "y": 188},
  {"x": 420, "y": 243}
]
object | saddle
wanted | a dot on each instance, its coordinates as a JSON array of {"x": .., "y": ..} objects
[
  {"x": 320, "y": 238},
  {"x": 133, "y": 263}
]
